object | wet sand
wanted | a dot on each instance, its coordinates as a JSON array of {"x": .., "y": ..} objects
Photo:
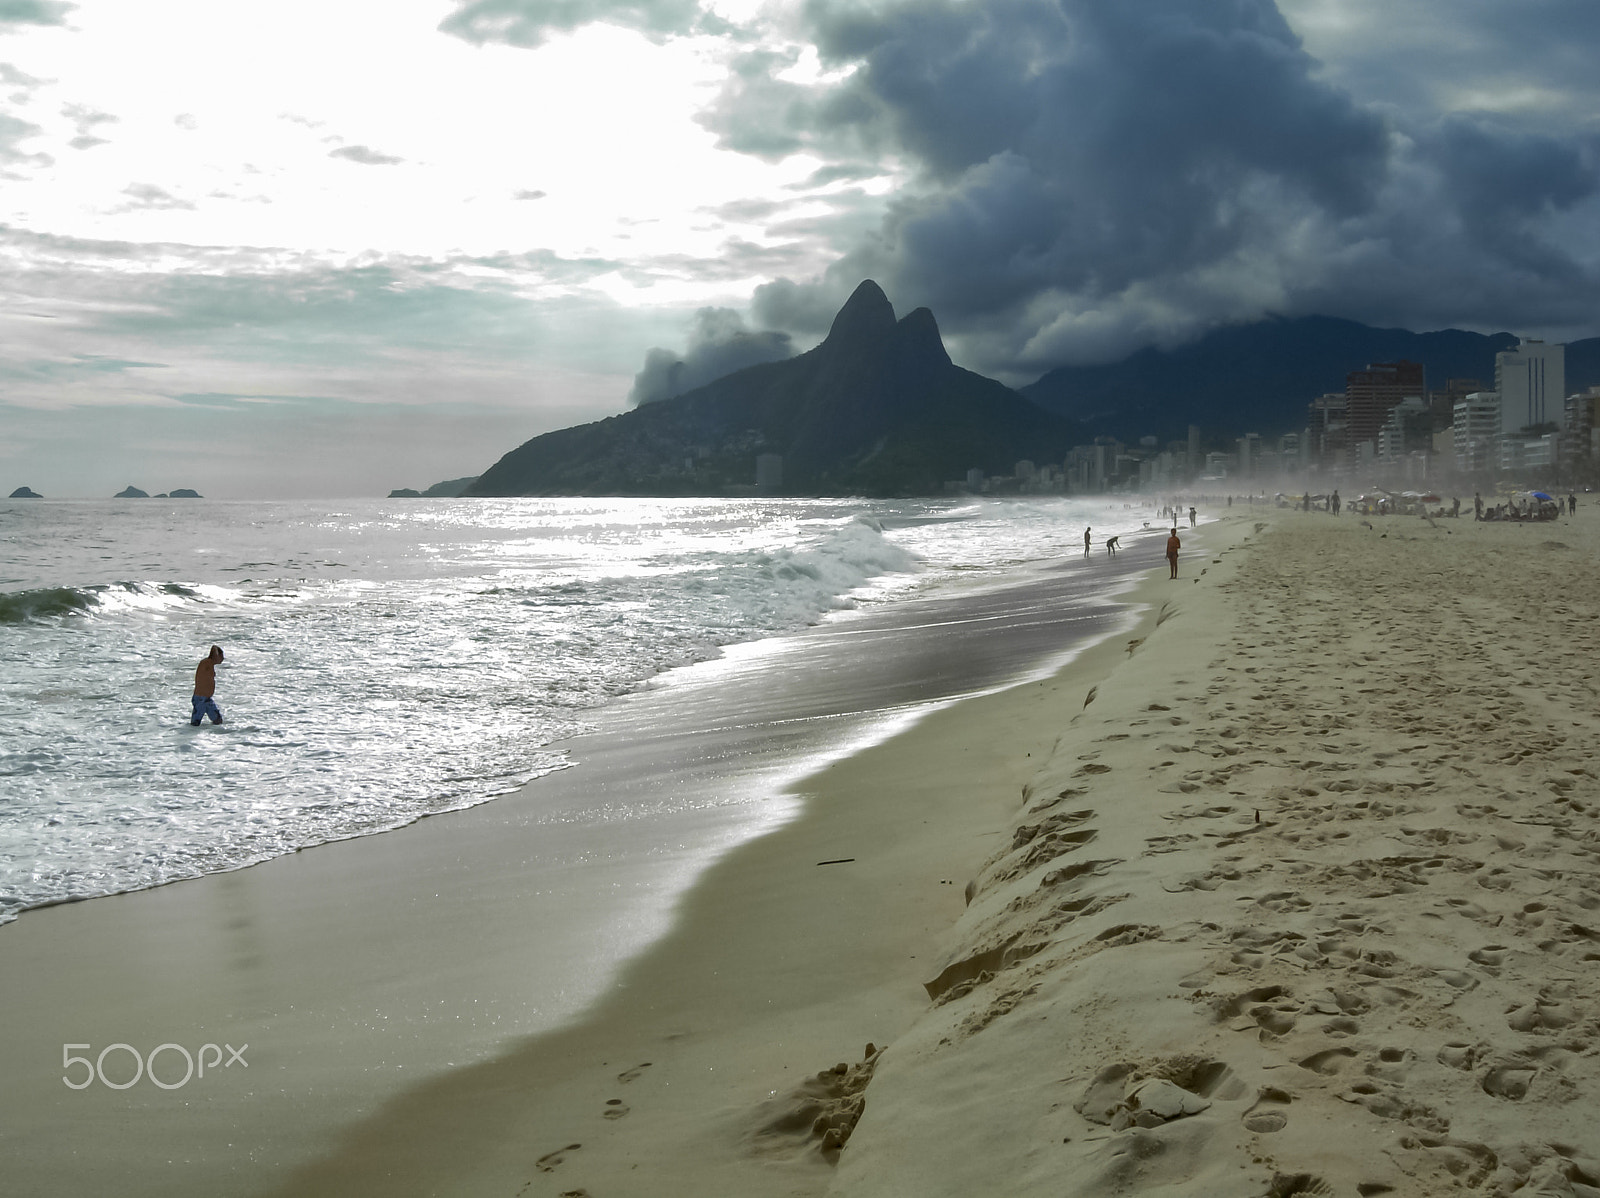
[{"x": 368, "y": 975}]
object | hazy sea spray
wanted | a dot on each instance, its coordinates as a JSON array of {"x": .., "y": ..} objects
[{"x": 385, "y": 661}]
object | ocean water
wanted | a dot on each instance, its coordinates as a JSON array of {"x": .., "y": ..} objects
[{"x": 388, "y": 660}]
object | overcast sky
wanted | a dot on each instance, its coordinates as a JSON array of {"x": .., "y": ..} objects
[{"x": 329, "y": 247}]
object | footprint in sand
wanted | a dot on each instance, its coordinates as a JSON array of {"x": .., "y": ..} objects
[
  {"x": 1469, "y": 1163},
  {"x": 548, "y": 1162},
  {"x": 1539, "y": 1015},
  {"x": 1273, "y": 1021},
  {"x": 628, "y": 1075},
  {"x": 1270, "y": 1112},
  {"x": 1489, "y": 957},
  {"x": 1458, "y": 1054},
  {"x": 1328, "y": 1061},
  {"x": 1392, "y": 1065},
  {"x": 615, "y": 1109},
  {"x": 1507, "y": 1081}
]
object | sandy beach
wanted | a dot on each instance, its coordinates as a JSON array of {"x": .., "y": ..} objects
[
  {"x": 1304, "y": 902},
  {"x": 1290, "y": 888}
]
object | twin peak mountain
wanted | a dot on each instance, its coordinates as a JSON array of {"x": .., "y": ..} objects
[{"x": 877, "y": 408}]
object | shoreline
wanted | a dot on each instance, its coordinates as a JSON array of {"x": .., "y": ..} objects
[
  {"x": 247, "y": 956},
  {"x": 1292, "y": 891},
  {"x": 789, "y": 956}
]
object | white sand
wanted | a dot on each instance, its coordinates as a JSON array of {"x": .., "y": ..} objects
[{"x": 1316, "y": 877}]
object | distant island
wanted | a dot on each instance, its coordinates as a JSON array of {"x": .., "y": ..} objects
[
  {"x": 446, "y": 490},
  {"x": 877, "y": 409},
  {"x": 26, "y": 493},
  {"x": 133, "y": 492}
]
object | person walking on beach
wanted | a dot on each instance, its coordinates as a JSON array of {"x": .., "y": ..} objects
[
  {"x": 205, "y": 686},
  {"x": 1173, "y": 545},
  {"x": 1191, "y": 516},
  {"x": 1477, "y": 505},
  {"x": 1085, "y": 542},
  {"x": 1336, "y": 503}
]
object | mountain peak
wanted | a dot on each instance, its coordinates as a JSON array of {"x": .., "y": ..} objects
[
  {"x": 866, "y": 315},
  {"x": 917, "y": 336},
  {"x": 878, "y": 408}
]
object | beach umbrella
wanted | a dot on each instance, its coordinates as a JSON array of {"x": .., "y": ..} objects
[{"x": 1543, "y": 496}]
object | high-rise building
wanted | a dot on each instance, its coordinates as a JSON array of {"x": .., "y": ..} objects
[
  {"x": 1477, "y": 430},
  {"x": 1580, "y": 422},
  {"x": 1532, "y": 382},
  {"x": 1371, "y": 394},
  {"x": 1249, "y": 451},
  {"x": 1407, "y": 429},
  {"x": 1442, "y": 400},
  {"x": 1326, "y": 430}
]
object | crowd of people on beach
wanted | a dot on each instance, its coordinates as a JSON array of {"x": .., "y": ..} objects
[{"x": 1522, "y": 505}]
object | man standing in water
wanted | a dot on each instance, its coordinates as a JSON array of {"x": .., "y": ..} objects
[
  {"x": 205, "y": 686},
  {"x": 1173, "y": 545}
]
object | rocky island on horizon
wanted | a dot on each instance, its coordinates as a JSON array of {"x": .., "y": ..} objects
[{"x": 133, "y": 492}]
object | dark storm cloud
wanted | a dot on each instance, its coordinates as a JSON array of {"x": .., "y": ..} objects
[
  {"x": 532, "y": 22},
  {"x": 1504, "y": 175},
  {"x": 1082, "y": 145},
  {"x": 1408, "y": 51},
  {"x": 1085, "y": 176},
  {"x": 365, "y": 155},
  {"x": 33, "y": 12},
  {"x": 719, "y": 344}
]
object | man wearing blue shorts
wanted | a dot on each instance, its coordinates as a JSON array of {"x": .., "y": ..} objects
[{"x": 205, "y": 686}]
